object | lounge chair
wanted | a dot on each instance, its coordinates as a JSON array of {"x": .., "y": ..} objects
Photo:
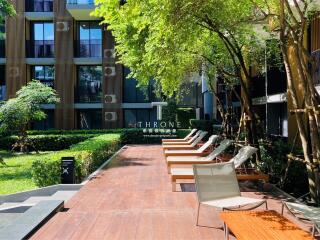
[
  {"x": 199, "y": 152},
  {"x": 191, "y": 140},
  {"x": 185, "y": 139},
  {"x": 191, "y": 146},
  {"x": 217, "y": 186},
  {"x": 304, "y": 212},
  {"x": 189, "y": 160},
  {"x": 243, "y": 155}
]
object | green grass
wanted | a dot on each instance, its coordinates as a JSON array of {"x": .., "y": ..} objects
[{"x": 16, "y": 175}]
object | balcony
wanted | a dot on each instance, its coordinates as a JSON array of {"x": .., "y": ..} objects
[
  {"x": 2, "y": 49},
  {"x": 39, "y": 5},
  {"x": 40, "y": 48},
  {"x": 88, "y": 49},
  {"x": 81, "y": 9},
  {"x": 89, "y": 93}
]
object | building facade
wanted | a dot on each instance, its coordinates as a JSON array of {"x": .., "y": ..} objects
[{"x": 60, "y": 44}]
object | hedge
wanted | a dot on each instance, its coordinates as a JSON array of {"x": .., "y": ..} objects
[
  {"x": 137, "y": 136},
  {"x": 46, "y": 142},
  {"x": 184, "y": 115},
  {"x": 89, "y": 155},
  {"x": 74, "y": 132}
]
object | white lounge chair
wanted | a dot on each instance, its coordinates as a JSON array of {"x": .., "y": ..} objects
[
  {"x": 189, "y": 160},
  {"x": 242, "y": 156},
  {"x": 198, "y": 152},
  {"x": 185, "y": 139},
  {"x": 190, "y": 146},
  {"x": 217, "y": 186},
  {"x": 194, "y": 137},
  {"x": 304, "y": 212}
]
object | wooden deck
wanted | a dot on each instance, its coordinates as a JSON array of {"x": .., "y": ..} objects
[{"x": 132, "y": 199}]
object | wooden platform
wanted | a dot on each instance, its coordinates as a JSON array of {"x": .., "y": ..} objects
[{"x": 132, "y": 199}]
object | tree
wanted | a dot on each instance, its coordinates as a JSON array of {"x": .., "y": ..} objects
[
  {"x": 169, "y": 39},
  {"x": 17, "y": 113},
  {"x": 6, "y": 9}
]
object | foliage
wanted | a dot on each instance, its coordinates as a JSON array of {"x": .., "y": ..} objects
[
  {"x": 184, "y": 115},
  {"x": 46, "y": 142},
  {"x": 169, "y": 113},
  {"x": 205, "y": 125},
  {"x": 89, "y": 155},
  {"x": 74, "y": 132},
  {"x": 6, "y": 9},
  {"x": 16, "y": 113}
]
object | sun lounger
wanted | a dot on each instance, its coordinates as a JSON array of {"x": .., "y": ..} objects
[
  {"x": 198, "y": 152},
  {"x": 190, "y": 141},
  {"x": 185, "y": 139},
  {"x": 191, "y": 146}
]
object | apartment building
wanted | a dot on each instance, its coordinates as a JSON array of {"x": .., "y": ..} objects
[{"x": 60, "y": 44}]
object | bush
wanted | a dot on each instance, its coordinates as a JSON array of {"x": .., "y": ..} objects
[
  {"x": 137, "y": 136},
  {"x": 184, "y": 115},
  {"x": 74, "y": 132},
  {"x": 45, "y": 142},
  {"x": 89, "y": 155}
]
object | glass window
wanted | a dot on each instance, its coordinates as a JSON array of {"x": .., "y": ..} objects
[
  {"x": 47, "y": 123},
  {"x": 44, "y": 74},
  {"x": 89, "y": 119},
  {"x": 89, "y": 84},
  {"x": 39, "y": 5},
  {"x": 42, "y": 42},
  {"x": 2, "y": 82},
  {"x": 134, "y": 94},
  {"x": 134, "y": 116},
  {"x": 89, "y": 40}
]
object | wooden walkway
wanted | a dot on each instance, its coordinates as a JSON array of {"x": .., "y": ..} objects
[{"x": 132, "y": 199}]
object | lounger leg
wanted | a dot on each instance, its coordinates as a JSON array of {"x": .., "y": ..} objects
[
  {"x": 198, "y": 214},
  {"x": 226, "y": 231},
  {"x": 313, "y": 231},
  {"x": 266, "y": 205}
]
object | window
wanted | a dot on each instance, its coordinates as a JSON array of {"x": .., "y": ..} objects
[
  {"x": 47, "y": 123},
  {"x": 132, "y": 94},
  {"x": 39, "y": 5},
  {"x": 89, "y": 84},
  {"x": 41, "y": 44},
  {"x": 45, "y": 74},
  {"x": 2, "y": 41},
  {"x": 134, "y": 116},
  {"x": 2, "y": 82},
  {"x": 89, "y": 119},
  {"x": 89, "y": 42}
]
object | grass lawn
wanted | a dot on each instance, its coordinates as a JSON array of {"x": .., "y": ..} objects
[{"x": 16, "y": 176}]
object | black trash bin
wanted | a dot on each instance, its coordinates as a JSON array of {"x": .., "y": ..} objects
[{"x": 67, "y": 170}]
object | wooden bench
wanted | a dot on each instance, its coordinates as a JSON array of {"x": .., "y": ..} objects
[
  {"x": 25, "y": 225},
  {"x": 264, "y": 225}
]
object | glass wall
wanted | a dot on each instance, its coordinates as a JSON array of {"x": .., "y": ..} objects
[
  {"x": 39, "y": 5},
  {"x": 41, "y": 44},
  {"x": 89, "y": 88},
  {"x": 45, "y": 74},
  {"x": 134, "y": 116},
  {"x": 2, "y": 41},
  {"x": 89, "y": 119},
  {"x": 2, "y": 82},
  {"x": 47, "y": 123},
  {"x": 132, "y": 94},
  {"x": 89, "y": 39}
]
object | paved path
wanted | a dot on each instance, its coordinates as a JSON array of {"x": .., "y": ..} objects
[{"x": 132, "y": 199}]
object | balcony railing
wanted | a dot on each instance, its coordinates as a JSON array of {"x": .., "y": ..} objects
[
  {"x": 40, "y": 48},
  {"x": 88, "y": 94},
  {"x": 88, "y": 48},
  {"x": 80, "y": 2},
  {"x": 2, "y": 49},
  {"x": 39, "y": 5}
]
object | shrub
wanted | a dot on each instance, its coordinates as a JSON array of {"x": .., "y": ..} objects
[
  {"x": 74, "y": 132},
  {"x": 184, "y": 115},
  {"x": 89, "y": 155},
  {"x": 45, "y": 142},
  {"x": 137, "y": 136}
]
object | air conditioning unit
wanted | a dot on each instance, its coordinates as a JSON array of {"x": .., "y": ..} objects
[
  {"x": 62, "y": 26},
  {"x": 14, "y": 72},
  {"x": 109, "y": 53},
  {"x": 109, "y": 71},
  {"x": 110, "y": 98},
  {"x": 110, "y": 116}
]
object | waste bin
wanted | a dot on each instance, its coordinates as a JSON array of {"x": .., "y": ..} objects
[{"x": 67, "y": 170}]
